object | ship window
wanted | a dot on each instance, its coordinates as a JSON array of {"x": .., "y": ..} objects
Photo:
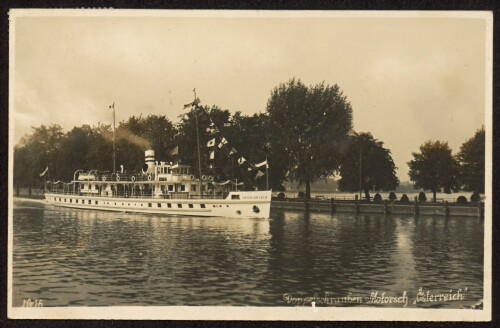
[
  {"x": 59, "y": 199},
  {"x": 76, "y": 201},
  {"x": 65, "y": 200},
  {"x": 193, "y": 187},
  {"x": 202, "y": 205},
  {"x": 190, "y": 205},
  {"x": 71, "y": 200},
  {"x": 169, "y": 205},
  {"x": 235, "y": 196},
  {"x": 183, "y": 188},
  {"x": 170, "y": 188},
  {"x": 150, "y": 205},
  {"x": 90, "y": 201},
  {"x": 179, "y": 205},
  {"x": 96, "y": 202},
  {"x": 159, "y": 205}
]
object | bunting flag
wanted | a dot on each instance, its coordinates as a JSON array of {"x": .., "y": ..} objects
[
  {"x": 44, "y": 172},
  {"x": 261, "y": 164},
  {"x": 212, "y": 154},
  {"x": 250, "y": 169},
  {"x": 175, "y": 151},
  {"x": 233, "y": 151},
  {"x": 259, "y": 174},
  {"x": 222, "y": 142},
  {"x": 211, "y": 143},
  {"x": 112, "y": 106},
  {"x": 210, "y": 166},
  {"x": 241, "y": 160}
]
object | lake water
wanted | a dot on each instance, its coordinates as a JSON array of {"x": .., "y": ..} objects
[{"x": 71, "y": 257}]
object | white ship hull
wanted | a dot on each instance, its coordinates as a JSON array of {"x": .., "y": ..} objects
[{"x": 244, "y": 204}]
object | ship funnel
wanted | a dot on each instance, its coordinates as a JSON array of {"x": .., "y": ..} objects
[{"x": 150, "y": 160}]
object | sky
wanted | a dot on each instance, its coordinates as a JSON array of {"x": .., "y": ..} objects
[{"x": 408, "y": 79}]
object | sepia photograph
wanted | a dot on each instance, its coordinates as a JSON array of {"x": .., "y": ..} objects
[{"x": 250, "y": 165}]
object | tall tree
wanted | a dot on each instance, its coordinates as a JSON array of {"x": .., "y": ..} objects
[
  {"x": 434, "y": 168},
  {"x": 471, "y": 159},
  {"x": 138, "y": 134},
  {"x": 308, "y": 130},
  {"x": 367, "y": 164},
  {"x": 35, "y": 152}
]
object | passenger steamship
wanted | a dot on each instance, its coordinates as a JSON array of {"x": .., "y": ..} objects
[{"x": 161, "y": 188}]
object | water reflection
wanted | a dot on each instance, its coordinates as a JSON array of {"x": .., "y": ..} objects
[{"x": 83, "y": 257}]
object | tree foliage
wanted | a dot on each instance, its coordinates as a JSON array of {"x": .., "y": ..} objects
[
  {"x": 471, "y": 159},
  {"x": 378, "y": 171},
  {"x": 434, "y": 168},
  {"x": 308, "y": 129},
  {"x": 35, "y": 152}
]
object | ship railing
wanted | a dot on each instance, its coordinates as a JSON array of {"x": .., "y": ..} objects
[{"x": 143, "y": 195}]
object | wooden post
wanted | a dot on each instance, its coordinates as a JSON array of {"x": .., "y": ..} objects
[
  {"x": 386, "y": 207},
  {"x": 332, "y": 205},
  {"x": 415, "y": 207},
  {"x": 480, "y": 210},
  {"x": 356, "y": 205},
  {"x": 445, "y": 209}
]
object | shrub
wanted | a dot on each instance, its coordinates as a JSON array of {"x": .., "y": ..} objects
[
  {"x": 392, "y": 196},
  {"x": 475, "y": 197},
  {"x": 377, "y": 198},
  {"x": 281, "y": 195},
  {"x": 461, "y": 200},
  {"x": 404, "y": 199},
  {"x": 301, "y": 195},
  {"x": 422, "y": 197}
]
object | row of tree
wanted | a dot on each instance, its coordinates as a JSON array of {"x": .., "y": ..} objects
[{"x": 305, "y": 135}]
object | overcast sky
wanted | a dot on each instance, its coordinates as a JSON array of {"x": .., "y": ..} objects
[{"x": 408, "y": 79}]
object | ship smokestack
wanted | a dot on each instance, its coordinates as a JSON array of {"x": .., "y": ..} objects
[{"x": 150, "y": 160}]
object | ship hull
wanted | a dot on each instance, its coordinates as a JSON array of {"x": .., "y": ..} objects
[{"x": 246, "y": 204}]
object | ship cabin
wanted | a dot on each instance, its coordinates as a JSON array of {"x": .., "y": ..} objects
[{"x": 156, "y": 180}]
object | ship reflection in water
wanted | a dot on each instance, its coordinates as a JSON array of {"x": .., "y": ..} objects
[{"x": 71, "y": 257}]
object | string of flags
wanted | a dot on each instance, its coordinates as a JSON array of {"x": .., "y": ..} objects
[{"x": 212, "y": 129}]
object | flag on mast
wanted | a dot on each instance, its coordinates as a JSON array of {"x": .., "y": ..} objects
[
  {"x": 212, "y": 154},
  {"x": 233, "y": 151},
  {"x": 112, "y": 106},
  {"x": 241, "y": 160},
  {"x": 194, "y": 103},
  {"x": 211, "y": 143},
  {"x": 259, "y": 174},
  {"x": 44, "y": 172}
]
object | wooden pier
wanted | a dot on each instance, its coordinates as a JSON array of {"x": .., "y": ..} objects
[{"x": 444, "y": 209}]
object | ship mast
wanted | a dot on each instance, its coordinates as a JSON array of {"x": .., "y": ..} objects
[
  {"x": 114, "y": 138},
  {"x": 195, "y": 108}
]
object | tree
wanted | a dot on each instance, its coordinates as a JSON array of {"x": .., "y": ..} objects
[
  {"x": 378, "y": 171},
  {"x": 471, "y": 159},
  {"x": 434, "y": 168},
  {"x": 138, "y": 134},
  {"x": 35, "y": 152},
  {"x": 308, "y": 130}
]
